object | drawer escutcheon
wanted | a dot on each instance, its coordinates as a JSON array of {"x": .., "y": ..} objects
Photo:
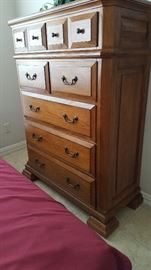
[
  {"x": 66, "y": 82},
  {"x": 70, "y": 121},
  {"x": 34, "y": 109},
  {"x": 37, "y": 138},
  {"x": 74, "y": 186},
  {"x": 70, "y": 153},
  {"x": 31, "y": 78}
]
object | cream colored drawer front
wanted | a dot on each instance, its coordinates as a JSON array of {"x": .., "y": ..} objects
[
  {"x": 73, "y": 77},
  {"x": 37, "y": 37},
  {"x": 20, "y": 40},
  {"x": 33, "y": 76},
  {"x": 57, "y": 36},
  {"x": 83, "y": 30}
]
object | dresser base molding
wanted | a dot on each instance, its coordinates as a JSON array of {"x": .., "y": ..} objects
[
  {"x": 103, "y": 223},
  {"x": 103, "y": 229},
  {"x": 29, "y": 174},
  {"x": 136, "y": 202}
]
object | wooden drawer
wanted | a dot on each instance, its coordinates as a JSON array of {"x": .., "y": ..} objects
[
  {"x": 74, "y": 77},
  {"x": 37, "y": 37},
  {"x": 57, "y": 34},
  {"x": 74, "y": 116},
  {"x": 83, "y": 30},
  {"x": 20, "y": 40},
  {"x": 74, "y": 182},
  {"x": 33, "y": 76},
  {"x": 76, "y": 152}
]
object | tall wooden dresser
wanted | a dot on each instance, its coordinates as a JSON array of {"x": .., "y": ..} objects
[{"x": 83, "y": 71}]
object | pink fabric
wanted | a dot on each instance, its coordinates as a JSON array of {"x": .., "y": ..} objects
[{"x": 38, "y": 233}]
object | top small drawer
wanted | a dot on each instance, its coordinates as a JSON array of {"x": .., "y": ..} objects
[
  {"x": 83, "y": 30},
  {"x": 57, "y": 34},
  {"x": 20, "y": 40},
  {"x": 37, "y": 37}
]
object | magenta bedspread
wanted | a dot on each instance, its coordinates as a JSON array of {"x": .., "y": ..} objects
[{"x": 38, "y": 233}]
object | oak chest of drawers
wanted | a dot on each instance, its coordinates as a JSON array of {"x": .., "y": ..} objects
[{"x": 83, "y": 71}]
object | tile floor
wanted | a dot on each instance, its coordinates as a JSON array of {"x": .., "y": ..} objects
[{"x": 133, "y": 237}]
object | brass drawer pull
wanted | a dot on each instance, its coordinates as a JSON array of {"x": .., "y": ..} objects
[
  {"x": 19, "y": 40},
  {"x": 34, "y": 109},
  {"x": 80, "y": 31},
  {"x": 71, "y": 154},
  {"x": 55, "y": 35},
  {"x": 70, "y": 121},
  {"x": 35, "y": 37},
  {"x": 37, "y": 138},
  {"x": 74, "y": 186},
  {"x": 73, "y": 82},
  {"x": 39, "y": 163},
  {"x": 31, "y": 78}
]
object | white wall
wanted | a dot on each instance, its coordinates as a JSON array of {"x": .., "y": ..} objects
[
  {"x": 10, "y": 107},
  {"x": 26, "y": 7}
]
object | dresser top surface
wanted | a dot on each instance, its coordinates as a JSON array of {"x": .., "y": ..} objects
[{"x": 79, "y": 4}]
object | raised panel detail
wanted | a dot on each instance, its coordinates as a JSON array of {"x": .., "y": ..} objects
[
  {"x": 57, "y": 34},
  {"x": 134, "y": 32},
  {"x": 33, "y": 76},
  {"x": 131, "y": 96},
  {"x": 20, "y": 40},
  {"x": 37, "y": 37},
  {"x": 83, "y": 30},
  {"x": 74, "y": 77}
]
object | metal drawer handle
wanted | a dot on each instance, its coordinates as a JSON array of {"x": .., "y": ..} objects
[
  {"x": 31, "y": 78},
  {"x": 70, "y": 153},
  {"x": 34, "y": 109},
  {"x": 80, "y": 31},
  {"x": 55, "y": 35},
  {"x": 35, "y": 37},
  {"x": 68, "y": 120},
  {"x": 65, "y": 81},
  {"x": 39, "y": 163},
  {"x": 74, "y": 186},
  {"x": 37, "y": 138},
  {"x": 19, "y": 40}
]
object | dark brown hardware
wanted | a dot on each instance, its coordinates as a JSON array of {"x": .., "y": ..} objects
[
  {"x": 71, "y": 154},
  {"x": 80, "y": 31},
  {"x": 35, "y": 37},
  {"x": 39, "y": 163},
  {"x": 73, "y": 82},
  {"x": 68, "y": 120},
  {"x": 34, "y": 109},
  {"x": 74, "y": 186},
  {"x": 55, "y": 34},
  {"x": 33, "y": 78},
  {"x": 37, "y": 138},
  {"x": 19, "y": 40}
]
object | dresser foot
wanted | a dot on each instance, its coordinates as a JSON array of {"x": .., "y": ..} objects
[
  {"x": 103, "y": 229},
  {"x": 136, "y": 202},
  {"x": 29, "y": 174}
]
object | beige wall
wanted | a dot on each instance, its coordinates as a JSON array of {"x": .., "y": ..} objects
[
  {"x": 10, "y": 108},
  {"x": 146, "y": 159}
]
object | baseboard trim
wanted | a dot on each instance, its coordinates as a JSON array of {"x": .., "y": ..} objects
[
  {"x": 12, "y": 148},
  {"x": 147, "y": 198}
]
